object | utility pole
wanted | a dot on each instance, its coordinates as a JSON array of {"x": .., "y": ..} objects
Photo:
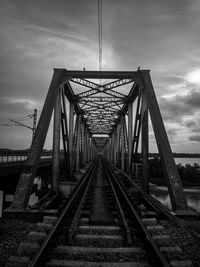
[
  {"x": 34, "y": 122},
  {"x": 34, "y": 116}
]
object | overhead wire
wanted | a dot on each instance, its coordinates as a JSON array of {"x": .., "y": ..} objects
[
  {"x": 16, "y": 121},
  {"x": 22, "y": 117},
  {"x": 100, "y": 33},
  {"x": 100, "y": 40}
]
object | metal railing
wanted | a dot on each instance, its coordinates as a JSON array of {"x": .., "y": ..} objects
[{"x": 19, "y": 157}]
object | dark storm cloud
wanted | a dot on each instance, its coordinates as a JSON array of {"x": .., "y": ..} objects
[
  {"x": 193, "y": 125},
  {"x": 193, "y": 99},
  {"x": 190, "y": 123},
  {"x": 157, "y": 31},
  {"x": 195, "y": 138},
  {"x": 174, "y": 108},
  {"x": 37, "y": 36},
  {"x": 8, "y": 107}
]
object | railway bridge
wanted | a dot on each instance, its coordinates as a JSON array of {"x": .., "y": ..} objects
[
  {"x": 96, "y": 213},
  {"x": 100, "y": 112}
]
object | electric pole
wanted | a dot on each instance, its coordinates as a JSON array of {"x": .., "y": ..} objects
[{"x": 34, "y": 116}]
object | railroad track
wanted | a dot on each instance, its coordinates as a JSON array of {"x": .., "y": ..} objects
[{"x": 107, "y": 222}]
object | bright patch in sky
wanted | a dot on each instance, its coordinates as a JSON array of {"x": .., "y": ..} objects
[
  {"x": 163, "y": 36},
  {"x": 194, "y": 76},
  {"x": 27, "y": 102}
]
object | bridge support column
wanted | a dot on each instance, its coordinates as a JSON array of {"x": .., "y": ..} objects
[
  {"x": 175, "y": 187},
  {"x": 56, "y": 143},
  {"x": 118, "y": 144},
  {"x": 26, "y": 179},
  {"x": 130, "y": 133},
  {"x": 88, "y": 147},
  {"x": 71, "y": 132},
  {"x": 145, "y": 142},
  {"x": 122, "y": 143},
  {"x": 78, "y": 136},
  {"x": 65, "y": 135},
  {"x": 136, "y": 134},
  {"x": 92, "y": 149},
  {"x": 111, "y": 147},
  {"x": 84, "y": 144}
]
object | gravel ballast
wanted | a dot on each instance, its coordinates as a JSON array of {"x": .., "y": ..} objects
[{"x": 12, "y": 233}]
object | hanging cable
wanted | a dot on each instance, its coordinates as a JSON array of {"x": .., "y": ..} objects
[
  {"x": 100, "y": 33},
  {"x": 100, "y": 37}
]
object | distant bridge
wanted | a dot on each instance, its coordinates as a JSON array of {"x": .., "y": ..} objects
[{"x": 18, "y": 156}]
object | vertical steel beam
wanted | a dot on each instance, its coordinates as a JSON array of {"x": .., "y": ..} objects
[
  {"x": 65, "y": 119},
  {"x": 65, "y": 135},
  {"x": 111, "y": 147},
  {"x": 78, "y": 143},
  {"x": 137, "y": 126},
  {"x": 175, "y": 187},
  {"x": 130, "y": 133},
  {"x": 122, "y": 144},
  {"x": 90, "y": 148},
  {"x": 125, "y": 144},
  {"x": 56, "y": 142},
  {"x": 71, "y": 136},
  {"x": 115, "y": 146},
  {"x": 84, "y": 145},
  {"x": 110, "y": 142},
  {"x": 87, "y": 148},
  {"x": 28, "y": 174},
  {"x": 145, "y": 142},
  {"x": 118, "y": 144}
]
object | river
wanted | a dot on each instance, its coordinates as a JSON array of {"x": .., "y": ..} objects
[
  {"x": 185, "y": 161},
  {"x": 161, "y": 192},
  {"x": 192, "y": 194}
]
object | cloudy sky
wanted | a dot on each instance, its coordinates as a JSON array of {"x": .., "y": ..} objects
[{"x": 163, "y": 36}]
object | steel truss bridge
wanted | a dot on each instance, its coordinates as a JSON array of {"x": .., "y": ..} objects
[{"x": 103, "y": 112}]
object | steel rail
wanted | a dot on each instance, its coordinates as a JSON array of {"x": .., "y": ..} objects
[
  {"x": 123, "y": 219},
  {"x": 152, "y": 244},
  {"x": 40, "y": 257},
  {"x": 77, "y": 215},
  {"x": 155, "y": 204}
]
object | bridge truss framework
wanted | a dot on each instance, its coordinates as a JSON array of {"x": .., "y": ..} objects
[{"x": 99, "y": 119}]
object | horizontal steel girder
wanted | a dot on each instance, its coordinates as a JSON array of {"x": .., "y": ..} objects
[
  {"x": 101, "y": 101},
  {"x": 96, "y": 88},
  {"x": 69, "y": 74}
]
